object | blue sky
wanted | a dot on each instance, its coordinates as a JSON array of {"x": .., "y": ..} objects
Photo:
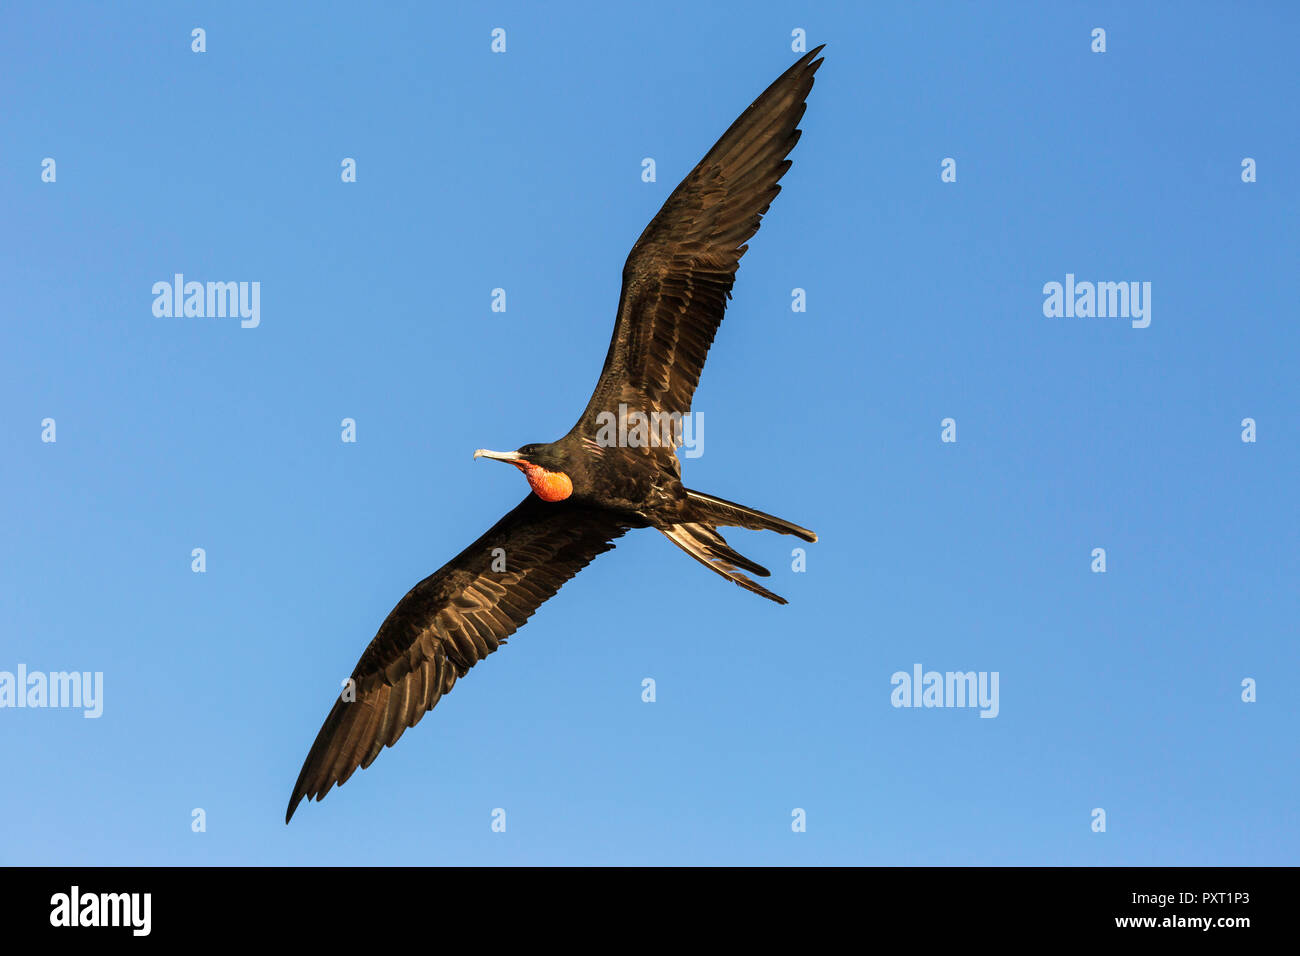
[{"x": 1119, "y": 690}]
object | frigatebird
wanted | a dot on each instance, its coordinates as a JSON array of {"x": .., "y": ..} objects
[{"x": 603, "y": 478}]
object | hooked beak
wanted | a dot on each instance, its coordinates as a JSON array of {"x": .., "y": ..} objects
[{"x": 510, "y": 456}]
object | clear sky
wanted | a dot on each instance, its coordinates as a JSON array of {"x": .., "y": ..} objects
[{"x": 1120, "y": 691}]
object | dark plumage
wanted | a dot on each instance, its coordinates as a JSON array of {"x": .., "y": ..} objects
[{"x": 588, "y": 491}]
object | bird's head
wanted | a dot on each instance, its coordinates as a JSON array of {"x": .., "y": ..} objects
[{"x": 542, "y": 465}]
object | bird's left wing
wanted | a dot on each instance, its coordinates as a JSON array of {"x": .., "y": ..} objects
[
  {"x": 678, "y": 276},
  {"x": 448, "y": 623}
]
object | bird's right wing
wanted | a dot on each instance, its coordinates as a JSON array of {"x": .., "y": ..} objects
[{"x": 448, "y": 623}]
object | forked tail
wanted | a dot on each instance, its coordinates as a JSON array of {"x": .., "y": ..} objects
[
  {"x": 700, "y": 539},
  {"x": 719, "y": 511}
]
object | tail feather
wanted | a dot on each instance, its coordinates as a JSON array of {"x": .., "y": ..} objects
[
  {"x": 719, "y": 511},
  {"x": 703, "y": 543}
]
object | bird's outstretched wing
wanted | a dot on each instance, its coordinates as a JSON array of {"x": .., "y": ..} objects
[
  {"x": 679, "y": 275},
  {"x": 445, "y": 625}
]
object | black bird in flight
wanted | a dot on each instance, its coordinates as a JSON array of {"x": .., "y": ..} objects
[{"x": 610, "y": 473}]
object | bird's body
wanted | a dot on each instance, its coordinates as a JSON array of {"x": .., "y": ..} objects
[{"x": 617, "y": 468}]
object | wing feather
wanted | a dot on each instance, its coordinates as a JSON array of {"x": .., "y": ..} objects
[
  {"x": 445, "y": 625},
  {"x": 679, "y": 274}
]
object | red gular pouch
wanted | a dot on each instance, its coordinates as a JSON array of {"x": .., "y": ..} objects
[{"x": 547, "y": 485}]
